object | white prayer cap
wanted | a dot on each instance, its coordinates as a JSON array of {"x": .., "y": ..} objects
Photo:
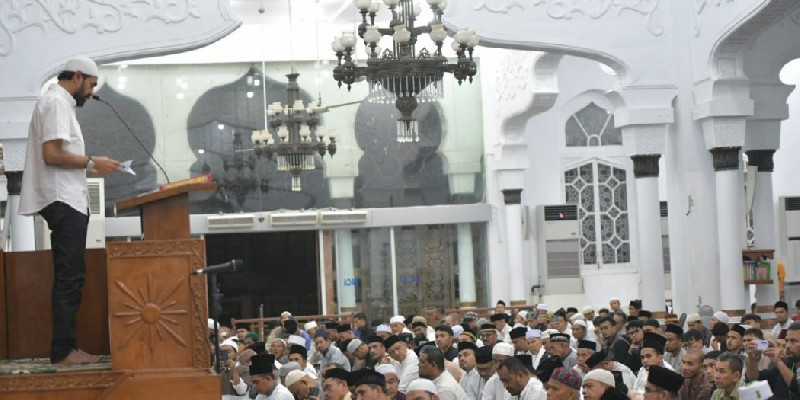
[
  {"x": 230, "y": 342},
  {"x": 293, "y": 377},
  {"x": 587, "y": 309},
  {"x": 757, "y": 390},
  {"x": 576, "y": 317},
  {"x": 422, "y": 384},
  {"x": 693, "y": 317},
  {"x": 457, "y": 330},
  {"x": 310, "y": 325},
  {"x": 721, "y": 316},
  {"x": 211, "y": 323},
  {"x": 599, "y": 375},
  {"x": 353, "y": 346},
  {"x": 286, "y": 314},
  {"x": 610, "y": 300},
  {"x": 83, "y": 64},
  {"x": 385, "y": 369},
  {"x": 397, "y": 319},
  {"x": 579, "y": 322},
  {"x": 533, "y": 333},
  {"x": 298, "y": 340},
  {"x": 523, "y": 314},
  {"x": 503, "y": 349},
  {"x": 542, "y": 307},
  {"x": 383, "y": 328}
]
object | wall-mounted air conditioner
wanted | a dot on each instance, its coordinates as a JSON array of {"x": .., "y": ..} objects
[
  {"x": 789, "y": 236},
  {"x": 289, "y": 219},
  {"x": 96, "y": 232},
  {"x": 339, "y": 217},
  {"x": 229, "y": 221},
  {"x": 559, "y": 249}
]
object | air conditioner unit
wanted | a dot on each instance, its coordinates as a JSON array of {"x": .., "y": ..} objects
[
  {"x": 294, "y": 219},
  {"x": 343, "y": 217},
  {"x": 559, "y": 249},
  {"x": 230, "y": 221},
  {"x": 789, "y": 236},
  {"x": 96, "y": 231}
]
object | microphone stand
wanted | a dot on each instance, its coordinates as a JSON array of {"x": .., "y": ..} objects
[{"x": 216, "y": 311}]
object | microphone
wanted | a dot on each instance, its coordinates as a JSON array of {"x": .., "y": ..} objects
[
  {"x": 133, "y": 134},
  {"x": 229, "y": 266}
]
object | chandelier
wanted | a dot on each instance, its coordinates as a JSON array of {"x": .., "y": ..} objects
[
  {"x": 293, "y": 134},
  {"x": 401, "y": 75}
]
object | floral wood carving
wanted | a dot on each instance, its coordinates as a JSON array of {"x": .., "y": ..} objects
[
  {"x": 70, "y": 17},
  {"x": 60, "y": 381}
]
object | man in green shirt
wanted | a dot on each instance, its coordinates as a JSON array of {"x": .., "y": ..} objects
[{"x": 728, "y": 377}]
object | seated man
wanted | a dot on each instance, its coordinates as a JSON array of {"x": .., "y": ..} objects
[
  {"x": 262, "y": 377},
  {"x": 663, "y": 383}
]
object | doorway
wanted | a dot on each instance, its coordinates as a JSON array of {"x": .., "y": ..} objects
[{"x": 280, "y": 272}]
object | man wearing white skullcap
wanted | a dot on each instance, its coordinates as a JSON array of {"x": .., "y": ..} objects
[
  {"x": 535, "y": 347},
  {"x": 596, "y": 383},
  {"x": 392, "y": 380},
  {"x": 398, "y": 324},
  {"x": 421, "y": 389},
  {"x": 54, "y": 186}
]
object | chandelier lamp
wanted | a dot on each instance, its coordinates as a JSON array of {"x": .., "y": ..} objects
[
  {"x": 293, "y": 134},
  {"x": 402, "y": 75}
]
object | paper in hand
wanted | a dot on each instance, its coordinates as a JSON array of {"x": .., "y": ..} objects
[{"x": 125, "y": 166}]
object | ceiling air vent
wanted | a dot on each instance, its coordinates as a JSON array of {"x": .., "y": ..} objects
[
  {"x": 230, "y": 221},
  {"x": 293, "y": 219},
  {"x": 565, "y": 212},
  {"x": 343, "y": 217}
]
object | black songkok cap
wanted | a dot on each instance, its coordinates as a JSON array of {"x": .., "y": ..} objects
[
  {"x": 262, "y": 364},
  {"x": 290, "y": 326},
  {"x": 374, "y": 339},
  {"x": 636, "y": 304},
  {"x": 343, "y": 328},
  {"x": 390, "y": 341},
  {"x": 498, "y": 317},
  {"x": 467, "y": 345},
  {"x": 366, "y": 376},
  {"x": 407, "y": 337},
  {"x": 596, "y": 359},
  {"x": 297, "y": 349},
  {"x": 587, "y": 344},
  {"x": 483, "y": 355},
  {"x": 331, "y": 325},
  {"x": 654, "y": 341},
  {"x": 652, "y": 322},
  {"x": 527, "y": 360},
  {"x": 418, "y": 324},
  {"x": 674, "y": 329},
  {"x": 665, "y": 379},
  {"x": 258, "y": 347},
  {"x": 518, "y": 332},
  {"x": 337, "y": 373},
  {"x": 488, "y": 327}
]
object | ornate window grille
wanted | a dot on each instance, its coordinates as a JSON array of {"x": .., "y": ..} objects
[{"x": 592, "y": 126}]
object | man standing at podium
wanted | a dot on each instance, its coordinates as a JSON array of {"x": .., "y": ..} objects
[{"x": 54, "y": 185}]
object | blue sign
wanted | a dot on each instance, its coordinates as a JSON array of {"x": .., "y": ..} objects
[
  {"x": 410, "y": 279},
  {"x": 356, "y": 282}
]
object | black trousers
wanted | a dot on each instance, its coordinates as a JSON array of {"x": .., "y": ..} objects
[{"x": 68, "y": 241}]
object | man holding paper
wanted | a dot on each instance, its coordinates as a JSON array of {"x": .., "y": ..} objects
[{"x": 54, "y": 185}]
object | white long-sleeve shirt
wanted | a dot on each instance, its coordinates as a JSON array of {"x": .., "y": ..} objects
[
  {"x": 447, "y": 388},
  {"x": 472, "y": 383},
  {"x": 534, "y": 390},
  {"x": 279, "y": 393},
  {"x": 494, "y": 389},
  {"x": 408, "y": 371}
]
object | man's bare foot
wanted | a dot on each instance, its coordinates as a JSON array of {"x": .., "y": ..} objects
[
  {"x": 93, "y": 359},
  {"x": 74, "y": 358}
]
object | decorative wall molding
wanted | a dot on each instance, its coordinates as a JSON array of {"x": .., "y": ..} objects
[
  {"x": 71, "y": 17},
  {"x": 645, "y": 166},
  {"x": 512, "y": 196},
  {"x": 725, "y": 158},
  {"x": 701, "y": 6},
  {"x": 761, "y": 159},
  {"x": 567, "y": 10},
  {"x": 58, "y": 381}
]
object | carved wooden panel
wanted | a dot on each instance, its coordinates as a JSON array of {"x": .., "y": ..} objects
[
  {"x": 60, "y": 381},
  {"x": 425, "y": 268},
  {"x": 157, "y": 310}
]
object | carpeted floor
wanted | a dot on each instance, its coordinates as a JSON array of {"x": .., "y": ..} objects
[{"x": 43, "y": 366}]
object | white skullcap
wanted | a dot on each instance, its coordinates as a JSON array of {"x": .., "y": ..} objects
[
  {"x": 310, "y": 325},
  {"x": 613, "y": 299},
  {"x": 757, "y": 390},
  {"x": 383, "y": 328},
  {"x": 533, "y": 333},
  {"x": 286, "y": 313},
  {"x": 230, "y": 342},
  {"x": 397, "y": 319},
  {"x": 295, "y": 376},
  {"x": 298, "y": 340},
  {"x": 542, "y": 307},
  {"x": 576, "y": 317},
  {"x": 211, "y": 323},
  {"x": 722, "y": 317},
  {"x": 693, "y": 317},
  {"x": 599, "y": 375},
  {"x": 421, "y": 384},
  {"x": 587, "y": 309},
  {"x": 579, "y": 322},
  {"x": 503, "y": 349},
  {"x": 353, "y": 346},
  {"x": 83, "y": 64},
  {"x": 457, "y": 330},
  {"x": 385, "y": 369},
  {"x": 523, "y": 314}
]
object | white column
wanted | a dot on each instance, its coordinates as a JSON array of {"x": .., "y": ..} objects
[
  {"x": 730, "y": 228},
  {"x": 514, "y": 275},
  {"x": 23, "y": 236},
  {"x": 466, "y": 266},
  {"x": 651, "y": 259},
  {"x": 764, "y": 219},
  {"x": 345, "y": 280}
]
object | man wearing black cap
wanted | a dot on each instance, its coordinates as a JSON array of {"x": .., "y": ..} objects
[
  {"x": 409, "y": 362},
  {"x": 519, "y": 340},
  {"x": 470, "y": 381},
  {"x": 332, "y": 328},
  {"x": 241, "y": 330},
  {"x": 585, "y": 350},
  {"x": 503, "y": 330},
  {"x": 652, "y": 355},
  {"x": 334, "y": 385},
  {"x": 673, "y": 348},
  {"x": 377, "y": 352},
  {"x": 299, "y": 354},
  {"x": 559, "y": 346},
  {"x": 662, "y": 384},
  {"x": 489, "y": 334},
  {"x": 263, "y": 379},
  {"x": 369, "y": 385}
]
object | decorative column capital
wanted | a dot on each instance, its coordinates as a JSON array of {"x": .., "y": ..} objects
[
  {"x": 725, "y": 158},
  {"x": 14, "y": 182},
  {"x": 761, "y": 159},
  {"x": 645, "y": 166},
  {"x": 512, "y": 196}
]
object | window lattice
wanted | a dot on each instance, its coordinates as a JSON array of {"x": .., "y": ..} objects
[{"x": 592, "y": 126}]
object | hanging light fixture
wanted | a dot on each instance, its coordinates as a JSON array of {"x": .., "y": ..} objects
[
  {"x": 293, "y": 134},
  {"x": 401, "y": 75}
]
